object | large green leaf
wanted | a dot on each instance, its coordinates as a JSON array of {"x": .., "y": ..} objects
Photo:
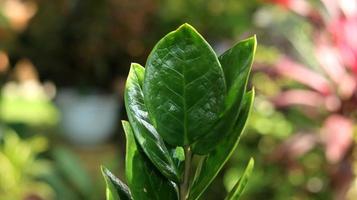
[
  {"x": 238, "y": 188},
  {"x": 214, "y": 161},
  {"x": 236, "y": 63},
  {"x": 184, "y": 86},
  {"x": 145, "y": 133},
  {"x": 144, "y": 180},
  {"x": 116, "y": 190}
]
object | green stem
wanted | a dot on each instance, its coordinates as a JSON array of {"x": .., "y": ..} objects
[{"x": 184, "y": 185}]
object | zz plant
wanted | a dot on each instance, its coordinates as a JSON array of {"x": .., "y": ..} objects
[{"x": 186, "y": 104}]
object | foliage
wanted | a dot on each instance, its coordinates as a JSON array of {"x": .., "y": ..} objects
[
  {"x": 21, "y": 169},
  {"x": 70, "y": 179},
  {"x": 187, "y": 104},
  {"x": 322, "y": 66},
  {"x": 27, "y": 173},
  {"x": 310, "y": 83}
]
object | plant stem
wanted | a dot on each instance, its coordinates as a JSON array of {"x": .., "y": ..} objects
[{"x": 186, "y": 176}]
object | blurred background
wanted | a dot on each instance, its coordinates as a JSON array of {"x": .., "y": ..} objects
[{"x": 63, "y": 64}]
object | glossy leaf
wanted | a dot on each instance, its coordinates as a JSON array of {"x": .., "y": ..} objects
[
  {"x": 144, "y": 180},
  {"x": 184, "y": 86},
  {"x": 214, "y": 161},
  {"x": 238, "y": 188},
  {"x": 145, "y": 133},
  {"x": 116, "y": 190},
  {"x": 236, "y": 63}
]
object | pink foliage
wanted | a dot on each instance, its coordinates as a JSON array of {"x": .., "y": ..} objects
[
  {"x": 335, "y": 47},
  {"x": 344, "y": 32},
  {"x": 302, "y": 74},
  {"x": 299, "y": 6},
  {"x": 337, "y": 135},
  {"x": 334, "y": 86}
]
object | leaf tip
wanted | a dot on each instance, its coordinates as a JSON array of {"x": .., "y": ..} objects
[
  {"x": 186, "y": 26},
  {"x": 254, "y": 38},
  {"x": 104, "y": 171},
  {"x": 253, "y": 91},
  {"x": 188, "y": 29},
  {"x": 136, "y": 68},
  {"x": 252, "y": 41},
  {"x": 126, "y": 127},
  {"x": 132, "y": 64},
  {"x": 124, "y": 123},
  {"x": 135, "y": 65}
]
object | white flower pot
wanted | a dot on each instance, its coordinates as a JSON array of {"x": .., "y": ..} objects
[{"x": 87, "y": 119}]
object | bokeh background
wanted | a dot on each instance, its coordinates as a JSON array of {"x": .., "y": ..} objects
[{"x": 63, "y": 65}]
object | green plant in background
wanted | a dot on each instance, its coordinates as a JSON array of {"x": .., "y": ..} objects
[
  {"x": 25, "y": 172},
  {"x": 186, "y": 106},
  {"x": 21, "y": 170}
]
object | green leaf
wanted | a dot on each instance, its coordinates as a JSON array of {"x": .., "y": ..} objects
[
  {"x": 72, "y": 170},
  {"x": 144, "y": 180},
  {"x": 238, "y": 188},
  {"x": 116, "y": 190},
  {"x": 148, "y": 138},
  {"x": 184, "y": 86},
  {"x": 236, "y": 63},
  {"x": 214, "y": 161},
  {"x": 179, "y": 154}
]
